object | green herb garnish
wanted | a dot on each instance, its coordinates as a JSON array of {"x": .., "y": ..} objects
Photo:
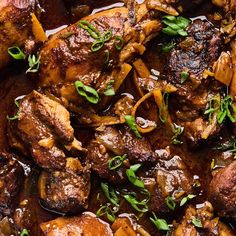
[
  {"x": 164, "y": 107},
  {"x": 170, "y": 202},
  {"x": 160, "y": 224},
  {"x": 16, "y": 53},
  {"x": 93, "y": 32},
  {"x": 214, "y": 106},
  {"x": 140, "y": 206},
  {"x": 34, "y": 63},
  {"x": 166, "y": 47},
  {"x": 88, "y": 92},
  {"x": 132, "y": 124},
  {"x": 177, "y": 131},
  {"x": 110, "y": 194},
  {"x": 107, "y": 36},
  {"x": 185, "y": 199},
  {"x": 16, "y": 116},
  {"x": 119, "y": 43},
  {"x": 24, "y": 232},
  {"x": 132, "y": 176},
  {"x": 97, "y": 45},
  {"x": 175, "y": 25},
  {"x": 110, "y": 89},
  {"x": 227, "y": 109},
  {"x": 116, "y": 162},
  {"x": 106, "y": 210},
  {"x": 196, "y": 222},
  {"x": 184, "y": 76}
]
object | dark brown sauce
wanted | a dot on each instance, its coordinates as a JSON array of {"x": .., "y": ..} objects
[{"x": 15, "y": 83}]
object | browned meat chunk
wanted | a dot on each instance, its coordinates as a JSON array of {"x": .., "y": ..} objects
[
  {"x": 173, "y": 179},
  {"x": 197, "y": 52},
  {"x": 43, "y": 127},
  {"x": 228, "y": 5},
  {"x": 68, "y": 56},
  {"x": 15, "y": 26},
  {"x": 86, "y": 224},
  {"x": 11, "y": 174},
  {"x": 222, "y": 191},
  {"x": 200, "y": 221},
  {"x": 112, "y": 142},
  {"x": 66, "y": 191}
]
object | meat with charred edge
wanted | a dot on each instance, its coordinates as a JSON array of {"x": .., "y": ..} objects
[
  {"x": 66, "y": 191},
  {"x": 43, "y": 129},
  {"x": 11, "y": 176},
  {"x": 222, "y": 191}
]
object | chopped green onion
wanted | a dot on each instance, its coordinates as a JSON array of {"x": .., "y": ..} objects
[
  {"x": 110, "y": 194},
  {"x": 107, "y": 35},
  {"x": 175, "y": 25},
  {"x": 164, "y": 105},
  {"x": 177, "y": 131},
  {"x": 94, "y": 33},
  {"x": 97, "y": 45},
  {"x": 132, "y": 124},
  {"x": 106, "y": 210},
  {"x": 167, "y": 47},
  {"x": 185, "y": 199},
  {"x": 16, "y": 53},
  {"x": 16, "y": 116},
  {"x": 24, "y": 232},
  {"x": 110, "y": 90},
  {"x": 140, "y": 206},
  {"x": 116, "y": 162},
  {"x": 213, "y": 164},
  {"x": 184, "y": 76},
  {"x": 119, "y": 43},
  {"x": 227, "y": 109},
  {"x": 132, "y": 176},
  {"x": 88, "y": 92},
  {"x": 34, "y": 63},
  {"x": 170, "y": 202},
  {"x": 196, "y": 222},
  {"x": 160, "y": 224},
  {"x": 214, "y": 106},
  {"x": 229, "y": 146},
  {"x": 107, "y": 57}
]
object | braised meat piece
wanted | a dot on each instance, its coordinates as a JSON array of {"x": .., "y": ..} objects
[
  {"x": 86, "y": 224},
  {"x": 11, "y": 175},
  {"x": 67, "y": 190},
  {"x": 191, "y": 57},
  {"x": 171, "y": 177},
  {"x": 222, "y": 191},
  {"x": 200, "y": 221},
  {"x": 43, "y": 127},
  {"x": 15, "y": 26},
  {"x": 75, "y": 52},
  {"x": 112, "y": 142}
]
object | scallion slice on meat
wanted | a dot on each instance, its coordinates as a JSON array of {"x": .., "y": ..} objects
[
  {"x": 116, "y": 162},
  {"x": 16, "y": 53},
  {"x": 89, "y": 93},
  {"x": 160, "y": 224},
  {"x": 132, "y": 124}
]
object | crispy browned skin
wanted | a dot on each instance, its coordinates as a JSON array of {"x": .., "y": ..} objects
[
  {"x": 67, "y": 56},
  {"x": 222, "y": 191},
  {"x": 86, "y": 224},
  {"x": 43, "y": 128},
  {"x": 15, "y": 26},
  {"x": 11, "y": 176},
  {"x": 66, "y": 191}
]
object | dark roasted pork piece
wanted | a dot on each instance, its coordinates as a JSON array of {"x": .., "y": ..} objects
[
  {"x": 87, "y": 224},
  {"x": 195, "y": 53},
  {"x": 15, "y": 26},
  {"x": 66, "y": 191},
  {"x": 222, "y": 191},
  {"x": 171, "y": 178},
  {"x": 112, "y": 142},
  {"x": 43, "y": 129},
  {"x": 11, "y": 176}
]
